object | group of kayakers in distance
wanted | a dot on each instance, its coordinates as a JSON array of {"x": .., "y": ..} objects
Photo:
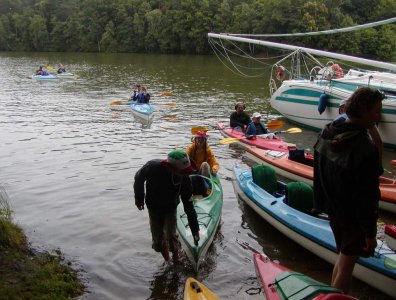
[
  {"x": 140, "y": 96},
  {"x": 44, "y": 71}
]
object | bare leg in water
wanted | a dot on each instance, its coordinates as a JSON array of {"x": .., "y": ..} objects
[{"x": 342, "y": 272}]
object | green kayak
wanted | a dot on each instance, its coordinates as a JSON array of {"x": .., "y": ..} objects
[{"x": 209, "y": 212}]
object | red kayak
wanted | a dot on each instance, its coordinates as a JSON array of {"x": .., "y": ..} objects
[
  {"x": 269, "y": 144},
  {"x": 281, "y": 283},
  {"x": 298, "y": 166}
]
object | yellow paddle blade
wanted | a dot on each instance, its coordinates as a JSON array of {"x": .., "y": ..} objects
[
  {"x": 167, "y": 94},
  {"x": 275, "y": 124},
  {"x": 117, "y": 102},
  {"x": 170, "y": 103},
  {"x": 293, "y": 130},
  {"x": 49, "y": 68},
  {"x": 229, "y": 140},
  {"x": 195, "y": 129}
]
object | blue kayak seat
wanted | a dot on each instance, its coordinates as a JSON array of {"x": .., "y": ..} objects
[
  {"x": 299, "y": 195},
  {"x": 265, "y": 177}
]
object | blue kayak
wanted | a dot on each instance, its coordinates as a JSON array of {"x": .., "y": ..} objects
[
  {"x": 142, "y": 110},
  {"x": 291, "y": 216},
  {"x": 44, "y": 77}
]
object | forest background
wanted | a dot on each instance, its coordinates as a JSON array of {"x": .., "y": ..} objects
[{"x": 181, "y": 26}]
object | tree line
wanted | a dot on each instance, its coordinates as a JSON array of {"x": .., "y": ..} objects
[{"x": 181, "y": 26}]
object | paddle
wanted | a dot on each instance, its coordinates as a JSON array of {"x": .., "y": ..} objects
[
  {"x": 235, "y": 140},
  {"x": 167, "y": 94},
  {"x": 274, "y": 124},
  {"x": 120, "y": 102},
  {"x": 49, "y": 68}
]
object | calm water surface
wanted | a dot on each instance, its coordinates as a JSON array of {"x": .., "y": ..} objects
[{"x": 67, "y": 163}]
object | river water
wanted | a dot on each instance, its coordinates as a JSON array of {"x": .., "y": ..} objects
[{"x": 67, "y": 163}]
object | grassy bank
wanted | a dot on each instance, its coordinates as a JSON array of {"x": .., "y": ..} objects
[{"x": 26, "y": 273}]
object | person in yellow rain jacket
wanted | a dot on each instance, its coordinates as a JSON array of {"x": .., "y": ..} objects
[{"x": 202, "y": 156}]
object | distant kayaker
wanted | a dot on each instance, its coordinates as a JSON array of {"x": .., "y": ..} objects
[
  {"x": 256, "y": 127},
  {"x": 346, "y": 181},
  {"x": 61, "y": 69},
  {"x": 239, "y": 120},
  {"x": 145, "y": 97},
  {"x": 136, "y": 93},
  {"x": 159, "y": 183},
  {"x": 41, "y": 71}
]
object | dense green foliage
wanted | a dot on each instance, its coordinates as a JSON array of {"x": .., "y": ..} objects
[{"x": 181, "y": 26}]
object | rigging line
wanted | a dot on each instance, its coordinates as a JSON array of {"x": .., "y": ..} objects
[
  {"x": 231, "y": 62},
  {"x": 239, "y": 72},
  {"x": 215, "y": 51},
  {"x": 323, "y": 32},
  {"x": 260, "y": 58},
  {"x": 251, "y": 57},
  {"x": 246, "y": 57}
]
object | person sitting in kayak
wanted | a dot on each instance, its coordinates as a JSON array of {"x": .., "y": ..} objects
[
  {"x": 201, "y": 154},
  {"x": 41, "y": 71},
  {"x": 239, "y": 120},
  {"x": 145, "y": 98},
  {"x": 61, "y": 69},
  {"x": 136, "y": 93},
  {"x": 205, "y": 161},
  {"x": 256, "y": 127}
]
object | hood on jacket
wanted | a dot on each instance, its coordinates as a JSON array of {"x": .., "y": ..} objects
[{"x": 340, "y": 134}]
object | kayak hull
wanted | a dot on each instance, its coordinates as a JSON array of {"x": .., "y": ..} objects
[
  {"x": 281, "y": 283},
  {"x": 269, "y": 144},
  {"x": 195, "y": 290},
  {"x": 209, "y": 214}
]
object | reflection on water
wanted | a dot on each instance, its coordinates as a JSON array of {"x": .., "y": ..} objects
[{"x": 67, "y": 162}]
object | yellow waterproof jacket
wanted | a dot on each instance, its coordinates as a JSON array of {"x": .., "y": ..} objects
[{"x": 198, "y": 156}]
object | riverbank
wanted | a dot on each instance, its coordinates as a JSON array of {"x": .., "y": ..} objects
[{"x": 27, "y": 273}]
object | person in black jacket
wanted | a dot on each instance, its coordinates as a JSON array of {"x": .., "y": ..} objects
[
  {"x": 239, "y": 120},
  {"x": 166, "y": 181},
  {"x": 346, "y": 181}
]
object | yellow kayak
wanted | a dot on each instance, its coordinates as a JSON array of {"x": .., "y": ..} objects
[{"x": 194, "y": 290}]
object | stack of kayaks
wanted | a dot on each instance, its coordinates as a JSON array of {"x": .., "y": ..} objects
[
  {"x": 195, "y": 290},
  {"x": 209, "y": 213},
  {"x": 292, "y": 217},
  {"x": 301, "y": 169},
  {"x": 269, "y": 144},
  {"x": 281, "y": 283}
]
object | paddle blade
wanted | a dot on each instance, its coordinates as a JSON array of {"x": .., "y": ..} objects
[
  {"x": 167, "y": 94},
  {"x": 195, "y": 129},
  {"x": 275, "y": 124},
  {"x": 227, "y": 141},
  {"x": 293, "y": 130},
  {"x": 117, "y": 102},
  {"x": 170, "y": 103},
  {"x": 49, "y": 68}
]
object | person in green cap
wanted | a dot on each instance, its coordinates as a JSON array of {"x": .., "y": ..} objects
[{"x": 166, "y": 180}]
